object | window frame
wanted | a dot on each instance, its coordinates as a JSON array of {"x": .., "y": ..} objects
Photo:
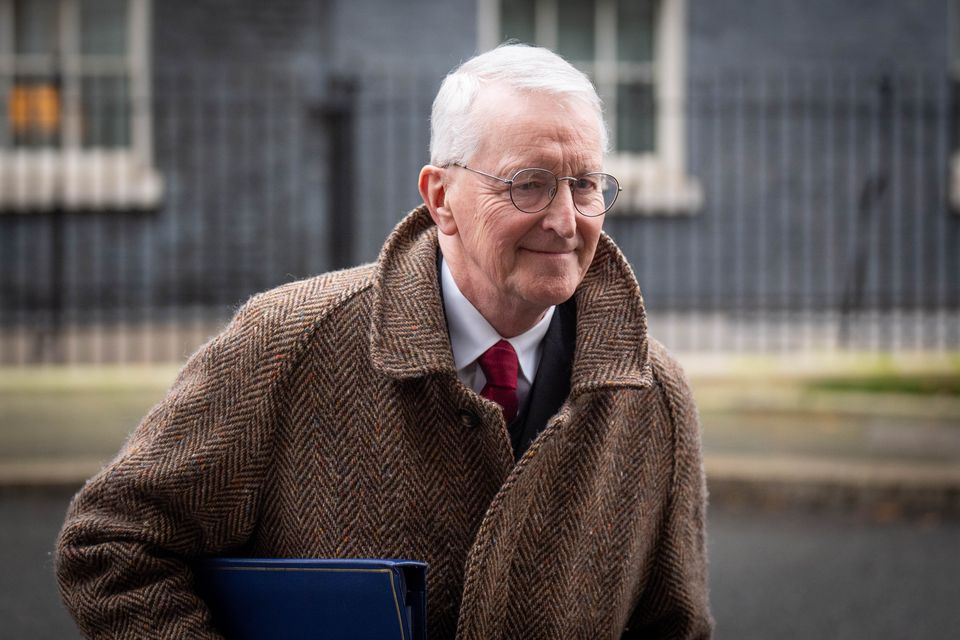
[
  {"x": 69, "y": 175},
  {"x": 653, "y": 182}
]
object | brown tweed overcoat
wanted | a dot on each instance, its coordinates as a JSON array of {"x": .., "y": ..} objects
[{"x": 327, "y": 420}]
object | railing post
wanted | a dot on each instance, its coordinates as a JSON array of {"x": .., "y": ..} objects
[
  {"x": 337, "y": 115},
  {"x": 872, "y": 193}
]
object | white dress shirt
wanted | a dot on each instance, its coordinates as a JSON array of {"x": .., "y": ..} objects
[{"x": 471, "y": 335}]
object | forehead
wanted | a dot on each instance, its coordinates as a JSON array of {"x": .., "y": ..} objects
[{"x": 528, "y": 127}]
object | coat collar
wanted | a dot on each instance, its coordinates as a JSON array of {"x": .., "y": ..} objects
[{"x": 408, "y": 327}]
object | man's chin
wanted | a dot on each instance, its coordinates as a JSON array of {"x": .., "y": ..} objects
[{"x": 548, "y": 294}]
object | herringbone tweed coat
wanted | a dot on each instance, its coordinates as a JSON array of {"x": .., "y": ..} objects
[{"x": 327, "y": 420}]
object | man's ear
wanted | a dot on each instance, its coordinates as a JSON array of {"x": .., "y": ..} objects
[{"x": 433, "y": 190}]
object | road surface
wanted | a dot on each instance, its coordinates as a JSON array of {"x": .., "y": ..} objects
[{"x": 773, "y": 575}]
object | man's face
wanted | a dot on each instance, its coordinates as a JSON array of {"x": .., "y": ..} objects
[{"x": 510, "y": 260}]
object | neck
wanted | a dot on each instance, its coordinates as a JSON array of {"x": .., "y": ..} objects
[
  {"x": 509, "y": 323},
  {"x": 509, "y": 317}
]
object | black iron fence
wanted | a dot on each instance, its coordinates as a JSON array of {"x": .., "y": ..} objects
[{"x": 824, "y": 221}]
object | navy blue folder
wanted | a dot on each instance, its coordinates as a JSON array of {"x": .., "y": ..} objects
[{"x": 260, "y": 598}]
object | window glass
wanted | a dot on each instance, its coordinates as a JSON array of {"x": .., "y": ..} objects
[
  {"x": 635, "y": 19},
  {"x": 105, "y": 112},
  {"x": 103, "y": 27},
  {"x": 517, "y": 20},
  {"x": 635, "y": 117},
  {"x": 35, "y": 26},
  {"x": 575, "y": 27},
  {"x": 626, "y": 50},
  {"x": 33, "y": 100},
  {"x": 33, "y": 112}
]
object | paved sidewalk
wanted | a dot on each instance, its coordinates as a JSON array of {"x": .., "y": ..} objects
[
  {"x": 807, "y": 431},
  {"x": 775, "y": 431}
]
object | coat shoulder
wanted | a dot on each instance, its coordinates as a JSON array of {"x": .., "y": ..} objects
[
  {"x": 297, "y": 306},
  {"x": 663, "y": 363},
  {"x": 669, "y": 376},
  {"x": 277, "y": 324}
]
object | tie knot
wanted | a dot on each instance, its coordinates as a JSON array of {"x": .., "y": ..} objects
[{"x": 500, "y": 365}]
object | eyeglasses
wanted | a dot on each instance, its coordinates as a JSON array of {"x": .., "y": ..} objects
[{"x": 532, "y": 190}]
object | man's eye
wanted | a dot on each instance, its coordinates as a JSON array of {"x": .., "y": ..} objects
[{"x": 587, "y": 184}]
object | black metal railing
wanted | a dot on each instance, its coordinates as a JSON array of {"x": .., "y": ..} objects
[{"x": 824, "y": 224}]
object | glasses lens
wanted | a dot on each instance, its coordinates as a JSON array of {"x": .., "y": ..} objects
[
  {"x": 611, "y": 189},
  {"x": 604, "y": 189},
  {"x": 532, "y": 189},
  {"x": 588, "y": 194},
  {"x": 595, "y": 193}
]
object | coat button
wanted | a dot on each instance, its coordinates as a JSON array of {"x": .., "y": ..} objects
[{"x": 469, "y": 419}]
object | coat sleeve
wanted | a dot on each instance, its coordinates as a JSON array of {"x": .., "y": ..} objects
[
  {"x": 676, "y": 603},
  {"x": 186, "y": 483}
]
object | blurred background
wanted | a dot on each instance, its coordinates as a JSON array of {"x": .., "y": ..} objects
[{"x": 791, "y": 207}]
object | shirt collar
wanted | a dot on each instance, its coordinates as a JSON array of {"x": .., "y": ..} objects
[{"x": 471, "y": 334}]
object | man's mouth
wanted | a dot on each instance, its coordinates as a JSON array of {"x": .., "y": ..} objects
[{"x": 549, "y": 252}]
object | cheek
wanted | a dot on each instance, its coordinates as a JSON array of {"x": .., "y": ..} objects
[
  {"x": 501, "y": 250},
  {"x": 590, "y": 232},
  {"x": 500, "y": 231}
]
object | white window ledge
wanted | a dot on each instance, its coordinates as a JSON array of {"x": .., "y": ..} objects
[
  {"x": 32, "y": 180},
  {"x": 650, "y": 187}
]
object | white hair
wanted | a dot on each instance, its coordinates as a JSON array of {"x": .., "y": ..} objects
[{"x": 454, "y": 131}]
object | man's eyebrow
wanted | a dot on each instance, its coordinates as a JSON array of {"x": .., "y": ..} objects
[
  {"x": 510, "y": 165},
  {"x": 513, "y": 167}
]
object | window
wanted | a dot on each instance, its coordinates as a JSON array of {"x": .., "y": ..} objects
[
  {"x": 633, "y": 50},
  {"x": 75, "y": 121}
]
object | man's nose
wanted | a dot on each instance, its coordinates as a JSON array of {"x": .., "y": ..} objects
[{"x": 561, "y": 214}]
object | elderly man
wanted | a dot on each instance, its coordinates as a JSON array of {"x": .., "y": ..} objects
[{"x": 484, "y": 398}]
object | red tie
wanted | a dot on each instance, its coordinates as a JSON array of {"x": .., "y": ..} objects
[{"x": 500, "y": 365}]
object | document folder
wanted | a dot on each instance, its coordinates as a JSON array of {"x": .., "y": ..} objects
[{"x": 261, "y": 598}]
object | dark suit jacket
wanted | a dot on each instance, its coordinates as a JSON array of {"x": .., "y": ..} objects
[{"x": 552, "y": 384}]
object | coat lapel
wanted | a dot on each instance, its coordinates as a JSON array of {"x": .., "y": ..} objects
[
  {"x": 611, "y": 326},
  {"x": 408, "y": 331}
]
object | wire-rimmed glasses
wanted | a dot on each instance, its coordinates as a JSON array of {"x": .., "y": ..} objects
[{"x": 532, "y": 190}]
